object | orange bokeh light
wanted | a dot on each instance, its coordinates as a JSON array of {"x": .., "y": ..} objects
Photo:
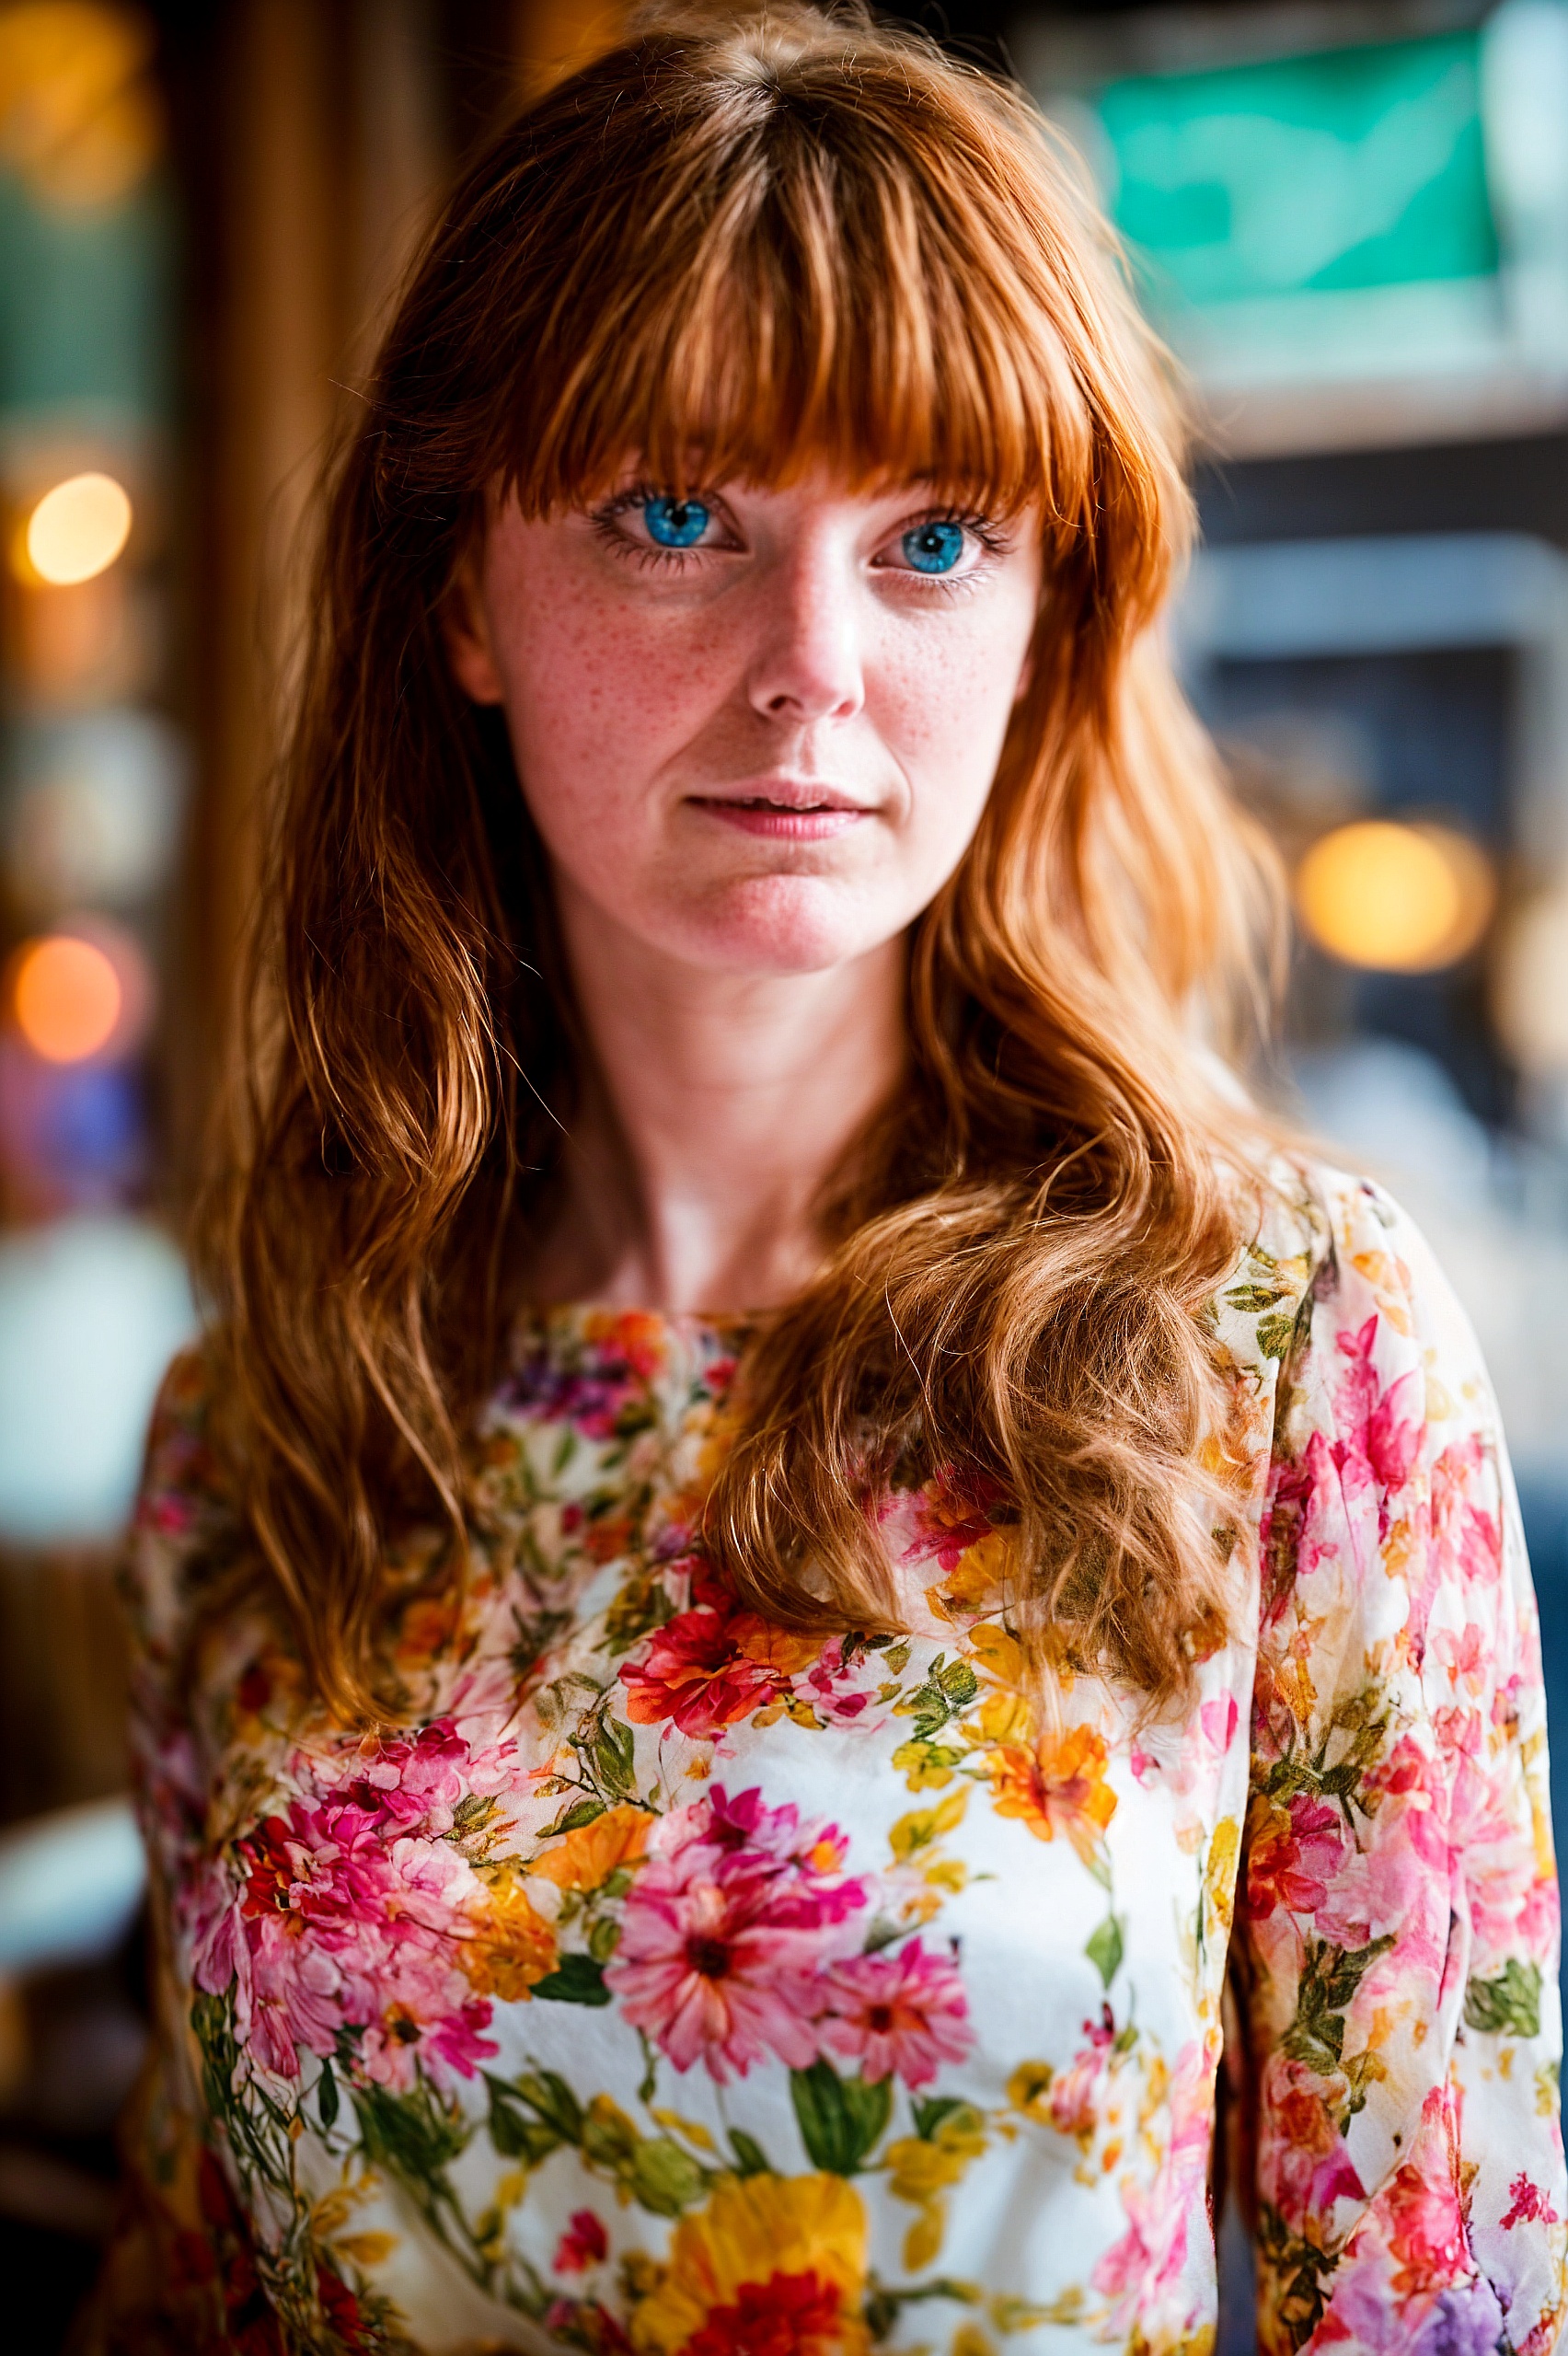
[{"x": 66, "y": 996}]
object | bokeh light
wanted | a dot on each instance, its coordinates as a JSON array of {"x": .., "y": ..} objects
[
  {"x": 1531, "y": 983},
  {"x": 67, "y": 997},
  {"x": 1395, "y": 899},
  {"x": 77, "y": 529},
  {"x": 79, "y": 118}
]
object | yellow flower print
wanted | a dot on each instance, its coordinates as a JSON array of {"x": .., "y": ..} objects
[
  {"x": 784, "y": 1649},
  {"x": 427, "y": 1629},
  {"x": 1029, "y": 2090},
  {"x": 1058, "y": 1786},
  {"x": 1391, "y": 1282},
  {"x": 981, "y": 1571},
  {"x": 511, "y": 1946},
  {"x": 789, "y": 2250},
  {"x": 922, "y": 2168},
  {"x": 590, "y": 1855}
]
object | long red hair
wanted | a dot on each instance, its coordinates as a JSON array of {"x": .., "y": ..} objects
[{"x": 797, "y": 241}]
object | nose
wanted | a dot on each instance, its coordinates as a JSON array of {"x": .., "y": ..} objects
[{"x": 809, "y": 662}]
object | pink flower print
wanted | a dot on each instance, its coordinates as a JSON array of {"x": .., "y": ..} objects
[
  {"x": 952, "y": 1513},
  {"x": 1495, "y": 1852},
  {"x": 415, "y": 1783},
  {"x": 1466, "y": 1658},
  {"x": 1218, "y": 1722},
  {"x": 1379, "y": 1432},
  {"x": 1074, "y": 2098},
  {"x": 1144, "y": 2272},
  {"x": 1419, "y": 2208},
  {"x": 712, "y": 1979},
  {"x": 724, "y": 1938},
  {"x": 1383, "y": 1888},
  {"x": 1294, "y": 1850},
  {"x": 296, "y": 1995},
  {"x": 345, "y": 1919},
  {"x": 1467, "y": 1536},
  {"x": 805, "y": 1861},
  {"x": 1527, "y": 2204},
  {"x": 583, "y": 2244},
  {"x": 823, "y": 1680},
  {"x": 1303, "y": 2166},
  {"x": 904, "y": 2013}
]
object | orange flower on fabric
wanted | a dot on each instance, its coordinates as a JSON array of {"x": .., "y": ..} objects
[
  {"x": 1057, "y": 1787},
  {"x": 512, "y": 1947},
  {"x": 588, "y": 1856}
]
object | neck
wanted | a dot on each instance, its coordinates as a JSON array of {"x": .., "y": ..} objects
[{"x": 717, "y": 1107}]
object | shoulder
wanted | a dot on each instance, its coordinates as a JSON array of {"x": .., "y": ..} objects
[
  {"x": 1378, "y": 1297},
  {"x": 1327, "y": 1248}
]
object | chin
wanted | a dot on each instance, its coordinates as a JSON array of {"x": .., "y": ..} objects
[{"x": 793, "y": 924}]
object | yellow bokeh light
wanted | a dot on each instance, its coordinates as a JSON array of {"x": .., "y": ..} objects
[
  {"x": 77, "y": 529},
  {"x": 1395, "y": 899},
  {"x": 1530, "y": 983},
  {"x": 79, "y": 118},
  {"x": 66, "y": 996}
]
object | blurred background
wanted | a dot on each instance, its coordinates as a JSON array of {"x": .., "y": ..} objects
[{"x": 1350, "y": 216}]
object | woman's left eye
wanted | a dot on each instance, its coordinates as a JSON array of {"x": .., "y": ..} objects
[
  {"x": 675, "y": 523},
  {"x": 934, "y": 547}
]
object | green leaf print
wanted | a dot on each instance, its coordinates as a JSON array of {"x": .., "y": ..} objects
[
  {"x": 616, "y": 1752},
  {"x": 663, "y": 2178},
  {"x": 750, "y": 2157},
  {"x": 577, "y": 1979},
  {"x": 840, "y": 2118},
  {"x": 1508, "y": 2005},
  {"x": 950, "y": 1687},
  {"x": 414, "y": 2136},
  {"x": 1328, "y": 1984},
  {"x": 327, "y": 2095},
  {"x": 642, "y": 1605},
  {"x": 1104, "y": 1949},
  {"x": 545, "y": 2092},
  {"x": 572, "y": 1819},
  {"x": 1303, "y": 2270},
  {"x": 513, "y": 2133},
  {"x": 1276, "y": 1334},
  {"x": 1252, "y": 1299},
  {"x": 932, "y": 2114},
  {"x": 883, "y": 2305}
]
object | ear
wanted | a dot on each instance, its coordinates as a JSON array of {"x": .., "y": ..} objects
[{"x": 470, "y": 648}]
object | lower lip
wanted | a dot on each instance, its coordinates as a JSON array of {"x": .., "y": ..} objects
[{"x": 782, "y": 826}]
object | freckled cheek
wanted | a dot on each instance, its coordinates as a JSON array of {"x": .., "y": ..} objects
[
  {"x": 947, "y": 700},
  {"x": 596, "y": 704}
]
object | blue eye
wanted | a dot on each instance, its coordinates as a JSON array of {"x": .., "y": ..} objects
[
  {"x": 675, "y": 523},
  {"x": 933, "y": 548}
]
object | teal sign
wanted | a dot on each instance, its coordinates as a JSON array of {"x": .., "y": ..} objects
[{"x": 1353, "y": 169}]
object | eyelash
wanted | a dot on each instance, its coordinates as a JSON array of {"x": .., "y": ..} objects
[{"x": 649, "y": 555}]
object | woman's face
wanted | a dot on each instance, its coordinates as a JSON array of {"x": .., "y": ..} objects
[{"x": 755, "y": 728}]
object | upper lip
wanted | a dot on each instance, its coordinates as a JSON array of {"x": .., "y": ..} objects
[{"x": 784, "y": 793}]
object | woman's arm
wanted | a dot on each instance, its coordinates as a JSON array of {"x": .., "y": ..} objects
[{"x": 1396, "y": 1922}]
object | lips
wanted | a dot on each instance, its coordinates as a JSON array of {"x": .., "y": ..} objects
[{"x": 794, "y": 810}]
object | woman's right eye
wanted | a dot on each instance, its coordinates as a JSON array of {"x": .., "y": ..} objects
[{"x": 675, "y": 523}]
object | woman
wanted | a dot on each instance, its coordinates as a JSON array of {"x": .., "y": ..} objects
[{"x": 713, "y": 1817}]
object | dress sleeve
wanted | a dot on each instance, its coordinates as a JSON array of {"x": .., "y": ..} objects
[
  {"x": 1397, "y": 1932},
  {"x": 177, "y": 2249}
]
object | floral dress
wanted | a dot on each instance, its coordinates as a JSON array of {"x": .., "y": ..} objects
[{"x": 673, "y": 1983}]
